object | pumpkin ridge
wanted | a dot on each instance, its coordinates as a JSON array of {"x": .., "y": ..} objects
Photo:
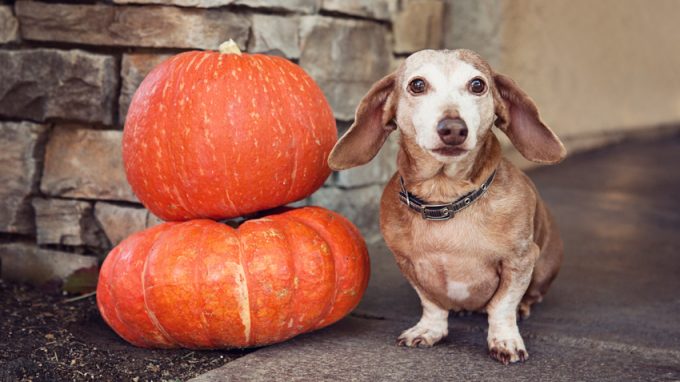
[
  {"x": 183, "y": 150},
  {"x": 141, "y": 337},
  {"x": 158, "y": 137},
  {"x": 115, "y": 301},
  {"x": 331, "y": 301},
  {"x": 179, "y": 164},
  {"x": 356, "y": 235},
  {"x": 294, "y": 142},
  {"x": 134, "y": 332},
  {"x": 245, "y": 319},
  {"x": 227, "y": 159},
  {"x": 149, "y": 312},
  {"x": 281, "y": 228},
  {"x": 226, "y": 189},
  {"x": 162, "y": 152},
  {"x": 198, "y": 290}
]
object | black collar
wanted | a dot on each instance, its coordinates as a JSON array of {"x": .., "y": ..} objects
[{"x": 442, "y": 211}]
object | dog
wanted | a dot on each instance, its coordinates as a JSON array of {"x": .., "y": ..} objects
[{"x": 467, "y": 228}]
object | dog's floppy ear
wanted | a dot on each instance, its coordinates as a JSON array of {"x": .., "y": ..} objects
[
  {"x": 372, "y": 124},
  {"x": 517, "y": 115}
]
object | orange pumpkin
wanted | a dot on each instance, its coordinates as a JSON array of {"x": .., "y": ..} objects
[
  {"x": 219, "y": 135},
  {"x": 203, "y": 284}
]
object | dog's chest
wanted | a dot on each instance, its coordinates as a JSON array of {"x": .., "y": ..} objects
[{"x": 456, "y": 261}]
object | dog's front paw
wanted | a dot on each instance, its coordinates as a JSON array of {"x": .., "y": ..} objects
[
  {"x": 422, "y": 336},
  {"x": 508, "y": 350}
]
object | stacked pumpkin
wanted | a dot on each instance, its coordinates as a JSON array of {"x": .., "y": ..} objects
[{"x": 219, "y": 135}]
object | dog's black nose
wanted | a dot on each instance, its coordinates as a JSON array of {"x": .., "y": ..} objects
[{"x": 452, "y": 131}]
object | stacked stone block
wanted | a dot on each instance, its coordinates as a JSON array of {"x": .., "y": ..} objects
[{"x": 68, "y": 71}]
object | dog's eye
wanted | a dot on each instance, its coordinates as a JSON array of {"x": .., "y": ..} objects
[
  {"x": 417, "y": 86},
  {"x": 477, "y": 86}
]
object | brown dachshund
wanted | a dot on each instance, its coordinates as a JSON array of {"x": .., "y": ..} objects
[{"x": 467, "y": 228}]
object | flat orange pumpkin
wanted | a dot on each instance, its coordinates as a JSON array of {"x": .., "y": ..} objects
[
  {"x": 203, "y": 284},
  {"x": 220, "y": 135}
]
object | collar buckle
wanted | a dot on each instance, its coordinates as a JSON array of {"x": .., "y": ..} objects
[{"x": 433, "y": 212}]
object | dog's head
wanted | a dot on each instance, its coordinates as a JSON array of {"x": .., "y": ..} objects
[{"x": 445, "y": 101}]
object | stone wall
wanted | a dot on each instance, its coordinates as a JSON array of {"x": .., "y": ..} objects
[{"x": 68, "y": 71}]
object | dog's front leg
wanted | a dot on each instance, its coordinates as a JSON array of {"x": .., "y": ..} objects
[
  {"x": 505, "y": 342},
  {"x": 432, "y": 327}
]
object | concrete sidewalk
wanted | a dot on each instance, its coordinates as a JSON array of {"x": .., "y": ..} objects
[{"x": 613, "y": 314}]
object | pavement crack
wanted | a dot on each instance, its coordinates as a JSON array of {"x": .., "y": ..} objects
[{"x": 367, "y": 316}]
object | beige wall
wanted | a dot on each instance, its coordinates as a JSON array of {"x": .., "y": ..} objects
[{"x": 595, "y": 68}]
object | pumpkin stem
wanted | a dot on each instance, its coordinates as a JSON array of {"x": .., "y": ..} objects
[{"x": 229, "y": 47}]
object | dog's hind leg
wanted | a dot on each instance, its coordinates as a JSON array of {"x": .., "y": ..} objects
[
  {"x": 530, "y": 298},
  {"x": 548, "y": 263}
]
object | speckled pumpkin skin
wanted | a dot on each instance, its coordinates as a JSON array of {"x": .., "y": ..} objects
[
  {"x": 203, "y": 284},
  {"x": 214, "y": 135}
]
